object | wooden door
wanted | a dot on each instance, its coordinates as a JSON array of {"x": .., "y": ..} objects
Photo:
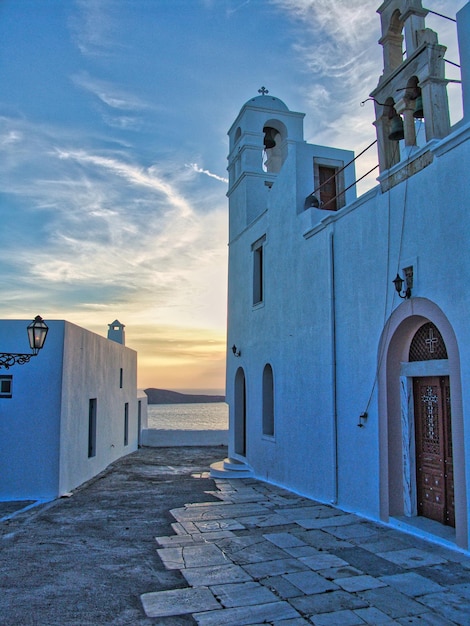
[
  {"x": 434, "y": 467},
  {"x": 327, "y": 180}
]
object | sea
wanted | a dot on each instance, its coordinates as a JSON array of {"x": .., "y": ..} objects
[{"x": 201, "y": 416}]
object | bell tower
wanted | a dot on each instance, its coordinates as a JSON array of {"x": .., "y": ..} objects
[
  {"x": 413, "y": 84},
  {"x": 259, "y": 145}
]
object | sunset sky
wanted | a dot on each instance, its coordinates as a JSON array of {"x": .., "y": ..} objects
[{"x": 113, "y": 144}]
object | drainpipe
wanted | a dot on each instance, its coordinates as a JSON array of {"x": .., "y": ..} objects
[{"x": 334, "y": 499}]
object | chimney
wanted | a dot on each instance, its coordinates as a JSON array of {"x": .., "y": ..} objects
[{"x": 116, "y": 332}]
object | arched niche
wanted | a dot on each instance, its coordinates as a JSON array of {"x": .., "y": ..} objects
[{"x": 274, "y": 132}]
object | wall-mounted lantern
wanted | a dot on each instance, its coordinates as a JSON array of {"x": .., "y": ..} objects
[
  {"x": 398, "y": 282},
  {"x": 37, "y": 333},
  {"x": 236, "y": 351}
]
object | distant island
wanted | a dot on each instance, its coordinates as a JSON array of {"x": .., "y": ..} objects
[{"x": 164, "y": 396}]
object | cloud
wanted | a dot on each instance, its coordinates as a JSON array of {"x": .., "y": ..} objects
[
  {"x": 94, "y": 234},
  {"x": 199, "y": 170},
  {"x": 94, "y": 28},
  {"x": 137, "y": 176},
  {"x": 109, "y": 94}
]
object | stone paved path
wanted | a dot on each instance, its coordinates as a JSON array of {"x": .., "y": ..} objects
[{"x": 262, "y": 555}]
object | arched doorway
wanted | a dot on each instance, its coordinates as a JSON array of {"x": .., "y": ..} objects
[
  {"x": 432, "y": 427},
  {"x": 240, "y": 413},
  {"x": 420, "y": 406}
]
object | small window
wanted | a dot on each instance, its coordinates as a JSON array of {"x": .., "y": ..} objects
[
  {"x": 92, "y": 428},
  {"x": 120, "y": 378},
  {"x": 268, "y": 401},
  {"x": 6, "y": 386},
  {"x": 329, "y": 184},
  {"x": 126, "y": 424},
  {"x": 258, "y": 270}
]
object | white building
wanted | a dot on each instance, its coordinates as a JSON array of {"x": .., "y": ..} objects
[
  {"x": 68, "y": 413},
  {"x": 339, "y": 388}
]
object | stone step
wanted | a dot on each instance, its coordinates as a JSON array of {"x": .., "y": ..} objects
[{"x": 230, "y": 468}]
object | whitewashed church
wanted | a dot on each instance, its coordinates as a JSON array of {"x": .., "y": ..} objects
[{"x": 348, "y": 366}]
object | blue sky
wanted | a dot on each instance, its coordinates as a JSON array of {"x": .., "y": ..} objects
[{"x": 113, "y": 146}]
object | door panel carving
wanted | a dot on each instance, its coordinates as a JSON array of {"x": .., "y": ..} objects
[{"x": 434, "y": 467}]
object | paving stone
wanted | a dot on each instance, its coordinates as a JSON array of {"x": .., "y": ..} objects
[
  {"x": 412, "y": 557},
  {"x": 322, "y": 561},
  {"x": 326, "y": 522},
  {"x": 446, "y": 574},
  {"x": 392, "y": 602},
  {"x": 264, "y": 521},
  {"x": 352, "y": 532},
  {"x": 412, "y": 584},
  {"x": 369, "y": 563},
  {"x": 282, "y": 587},
  {"x": 179, "y": 529},
  {"x": 213, "y": 536},
  {"x": 326, "y": 512},
  {"x": 218, "y": 525},
  {"x": 260, "y": 552},
  {"x": 322, "y": 540},
  {"x": 172, "y": 558},
  {"x": 384, "y": 544},
  {"x": 449, "y": 605},
  {"x": 274, "y": 568},
  {"x": 328, "y": 602},
  {"x": 310, "y": 582},
  {"x": 243, "y": 594},
  {"x": 215, "y": 575},
  {"x": 359, "y": 583},
  {"x": 174, "y": 541},
  {"x": 284, "y": 540},
  {"x": 301, "y": 512},
  {"x": 373, "y": 616},
  {"x": 248, "y": 495},
  {"x": 461, "y": 590},
  {"x": 241, "y": 616},
  {"x": 426, "y": 619},
  {"x": 217, "y": 511},
  {"x": 302, "y": 551},
  {"x": 345, "y": 618},
  {"x": 340, "y": 572},
  {"x": 178, "y": 602},
  {"x": 195, "y": 555},
  {"x": 296, "y": 621},
  {"x": 190, "y": 528}
]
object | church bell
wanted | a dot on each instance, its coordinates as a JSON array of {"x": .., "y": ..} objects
[
  {"x": 396, "y": 131},
  {"x": 418, "y": 112},
  {"x": 269, "y": 134}
]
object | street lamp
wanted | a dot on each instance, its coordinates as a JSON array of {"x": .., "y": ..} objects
[{"x": 37, "y": 332}]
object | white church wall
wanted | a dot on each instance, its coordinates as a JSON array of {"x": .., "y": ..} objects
[
  {"x": 30, "y": 419},
  {"x": 95, "y": 368},
  {"x": 463, "y": 29},
  {"x": 337, "y": 335},
  {"x": 292, "y": 329}
]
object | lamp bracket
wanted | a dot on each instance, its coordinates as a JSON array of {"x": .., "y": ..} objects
[{"x": 8, "y": 359}]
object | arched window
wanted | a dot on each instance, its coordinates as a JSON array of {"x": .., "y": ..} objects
[
  {"x": 240, "y": 412},
  {"x": 268, "y": 401},
  {"x": 427, "y": 344}
]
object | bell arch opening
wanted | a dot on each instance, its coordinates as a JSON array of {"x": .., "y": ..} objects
[{"x": 274, "y": 146}]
